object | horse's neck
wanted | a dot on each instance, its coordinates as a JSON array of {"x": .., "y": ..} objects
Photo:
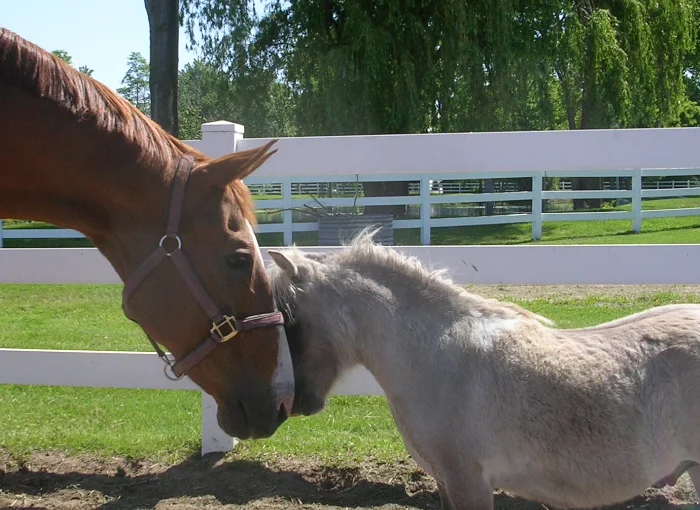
[{"x": 63, "y": 172}]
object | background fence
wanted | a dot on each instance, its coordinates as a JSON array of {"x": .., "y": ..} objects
[
  {"x": 546, "y": 265},
  {"x": 446, "y": 175},
  {"x": 422, "y": 159}
]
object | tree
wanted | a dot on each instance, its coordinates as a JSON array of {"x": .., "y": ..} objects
[
  {"x": 163, "y": 20},
  {"x": 208, "y": 94},
  {"x": 205, "y": 94},
  {"x": 135, "y": 83},
  {"x": 63, "y": 55},
  {"x": 85, "y": 70},
  {"x": 403, "y": 66}
]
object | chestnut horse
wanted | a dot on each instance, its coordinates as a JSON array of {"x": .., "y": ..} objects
[{"x": 174, "y": 224}]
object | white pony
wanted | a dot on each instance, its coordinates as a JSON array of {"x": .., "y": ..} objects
[{"x": 487, "y": 395}]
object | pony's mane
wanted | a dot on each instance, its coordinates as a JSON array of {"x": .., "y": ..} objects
[
  {"x": 44, "y": 75},
  {"x": 363, "y": 249}
]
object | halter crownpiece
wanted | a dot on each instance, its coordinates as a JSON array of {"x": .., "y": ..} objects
[{"x": 224, "y": 327}]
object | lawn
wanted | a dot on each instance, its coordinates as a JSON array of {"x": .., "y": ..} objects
[
  {"x": 166, "y": 424},
  {"x": 683, "y": 230}
]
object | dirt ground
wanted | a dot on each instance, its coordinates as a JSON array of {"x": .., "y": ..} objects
[{"x": 54, "y": 481}]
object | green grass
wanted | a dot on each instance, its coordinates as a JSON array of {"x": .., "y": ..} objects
[
  {"x": 66, "y": 317},
  {"x": 684, "y": 230},
  {"x": 166, "y": 424}
]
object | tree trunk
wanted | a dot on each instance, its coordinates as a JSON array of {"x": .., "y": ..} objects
[
  {"x": 488, "y": 185},
  {"x": 164, "y": 25},
  {"x": 587, "y": 183}
]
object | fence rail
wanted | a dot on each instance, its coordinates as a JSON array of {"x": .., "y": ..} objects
[
  {"x": 422, "y": 159},
  {"x": 442, "y": 169},
  {"x": 519, "y": 265}
]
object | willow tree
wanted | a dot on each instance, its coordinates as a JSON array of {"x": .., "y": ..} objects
[
  {"x": 353, "y": 67},
  {"x": 408, "y": 66},
  {"x": 622, "y": 63}
]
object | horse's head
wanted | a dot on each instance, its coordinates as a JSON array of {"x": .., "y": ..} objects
[
  {"x": 302, "y": 292},
  {"x": 199, "y": 288},
  {"x": 173, "y": 223}
]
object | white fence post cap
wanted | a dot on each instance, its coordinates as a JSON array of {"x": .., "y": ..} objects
[{"x": 223, "y": 126}]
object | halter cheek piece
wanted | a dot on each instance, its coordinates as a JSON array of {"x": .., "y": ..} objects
[{"x": 224, "y": 327}]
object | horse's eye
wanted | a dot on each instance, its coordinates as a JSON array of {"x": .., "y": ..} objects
[{"x": 239, "y": 261}]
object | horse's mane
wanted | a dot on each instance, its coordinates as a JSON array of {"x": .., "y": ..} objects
[
  {"x": 363, "y": 249},
  {"x": 46, "y": 76}
]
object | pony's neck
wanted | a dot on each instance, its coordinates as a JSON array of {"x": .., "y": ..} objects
[{"x": 388, "y": 323}]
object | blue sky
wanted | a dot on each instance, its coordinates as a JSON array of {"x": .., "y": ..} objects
[{"x": 99, "y": 34}]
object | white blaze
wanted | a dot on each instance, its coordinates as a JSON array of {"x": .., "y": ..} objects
[{"x": 283, "y": 378}]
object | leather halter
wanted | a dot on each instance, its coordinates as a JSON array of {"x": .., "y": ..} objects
[{"x": 224, "y": 327}]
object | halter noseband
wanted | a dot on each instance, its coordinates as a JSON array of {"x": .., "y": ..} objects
[{"x": 224, "y": 327}]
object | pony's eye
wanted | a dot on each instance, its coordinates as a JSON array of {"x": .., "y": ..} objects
[{"x": 239, "y": 261}]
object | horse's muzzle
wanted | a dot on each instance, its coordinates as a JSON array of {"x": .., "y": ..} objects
[{"x": 253, "y": 419}]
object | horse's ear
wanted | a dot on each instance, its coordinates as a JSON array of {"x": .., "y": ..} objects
[
  {"x": 239, "y": 165},
  {"x": 285, "y": 263}
]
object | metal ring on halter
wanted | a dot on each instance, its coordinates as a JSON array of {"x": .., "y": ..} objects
[
  {"x": 169, "y": 373},
  {"x": 176, "y": 237}
]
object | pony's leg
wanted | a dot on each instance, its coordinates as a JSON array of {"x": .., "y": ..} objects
[
  {"x": 694, "y": 473},
  {"x": 465, "y": 493},
  {"x": 444, "y": 499}
]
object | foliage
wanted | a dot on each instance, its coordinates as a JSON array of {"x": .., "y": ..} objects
[
  {"x": 204, "y": 95},
  {"x": 402, "y": 67},
  {"x": 407, "y": 66},
  {"x": 208, "y": 94},
  {"x": 136, "y": 83},
  {"x": 63, "y": 55}
]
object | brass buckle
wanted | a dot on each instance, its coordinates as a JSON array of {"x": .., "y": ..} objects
[{"x": 225, "y": 329}]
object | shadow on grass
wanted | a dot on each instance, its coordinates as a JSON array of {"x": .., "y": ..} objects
[
  {"x": 195, "y": 481},
  {"x": 551, "y": 236}
]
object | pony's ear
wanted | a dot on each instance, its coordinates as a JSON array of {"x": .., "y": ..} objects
[
  {"x": 285, "y": 263},
  {"x": 239, "y": 165}
]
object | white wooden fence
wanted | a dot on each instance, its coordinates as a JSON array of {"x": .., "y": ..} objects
[
  {"x": 420, "y": 157},
  {"x": 551, "y": 265},
  {"x": 424, "y": 158}
]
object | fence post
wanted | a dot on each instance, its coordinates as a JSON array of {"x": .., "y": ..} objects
[
  {"x": 220, "y": 138},
  {"x": 287, "y": 211},
  {"x": 1, "y": 234},
  {"x": 213, "y": 438},
  {"x": 537, "y": 185},
  {"x": 425, "y": 211},
  {"x": 637, "y": 200}
]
